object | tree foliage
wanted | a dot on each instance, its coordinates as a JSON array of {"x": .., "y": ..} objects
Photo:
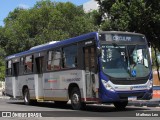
[
  {"x": 2, "y": 64},
  {"x": 46, "y": 21},
  {"x": 140, "y": 16}
]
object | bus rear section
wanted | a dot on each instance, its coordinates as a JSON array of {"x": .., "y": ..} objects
[{"x": 11, "y": 79}]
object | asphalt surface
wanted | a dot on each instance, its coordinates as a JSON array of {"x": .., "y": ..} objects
[
  {"x": 47, "y": 111},
  {"x": 50, "y": 110}
]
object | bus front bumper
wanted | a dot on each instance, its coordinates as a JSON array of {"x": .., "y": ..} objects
[{"x": 113, "y": 96}]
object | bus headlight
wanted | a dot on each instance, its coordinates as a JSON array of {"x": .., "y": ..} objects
[
  {"x": 107, "y": 85},
  {"x": 150, "y": 84}
]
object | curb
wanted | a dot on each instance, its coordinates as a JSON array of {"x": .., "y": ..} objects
[
  {"x": 151, "y": 103},
  {"x": 4, "y": 97}
]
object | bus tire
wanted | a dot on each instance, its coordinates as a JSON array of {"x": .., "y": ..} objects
[
  {"x": 120, "y": 105},
  {"x": 75, "y": 97},
  {"x": 26, "y": 96}
]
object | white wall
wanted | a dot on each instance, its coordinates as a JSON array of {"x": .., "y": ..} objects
[{"x": 90, "y": 6}]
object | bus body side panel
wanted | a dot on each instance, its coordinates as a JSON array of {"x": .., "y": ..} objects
[
  {"x": 22, "y": 82},
  {"x": 16, "y": 86},
  {"x": 39, "y": 94},
  {"x": 28, "y": 81},
  {"x": 9, "y": 86},
  {"x": 31, "y": 85},
  {"x": 56, "y": 84}
]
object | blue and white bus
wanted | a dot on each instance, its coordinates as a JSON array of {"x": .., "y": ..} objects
[{"x": 98, "y": 67}]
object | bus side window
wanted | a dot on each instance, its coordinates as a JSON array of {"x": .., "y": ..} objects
[
  {"x": 28, "y": 64},
  {"x": 21, "y": 68},
  {"x": 16, "y": 69},
  {"x": 49, "y": 60},
  {"x": 9, "y": 68},
  {"x": 54, "y": 59},
  {"x": 69, "y": 57}
]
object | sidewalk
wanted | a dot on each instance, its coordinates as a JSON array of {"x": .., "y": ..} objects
[
  {"x": 0, "y": 91},
  {"x": 148, "y": 103},
  {"x": 154, "y": 102},
  {"x": 3, "y": 97}
]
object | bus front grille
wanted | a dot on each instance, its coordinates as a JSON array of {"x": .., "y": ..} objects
[{"x": 129, "y": 82}]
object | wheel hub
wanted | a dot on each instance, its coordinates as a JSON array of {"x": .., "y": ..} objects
[
  {"x": 26, "y": 97},
  {"x": 75, "y": 99}
]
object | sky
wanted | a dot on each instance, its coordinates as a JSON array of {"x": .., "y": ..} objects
[{"x": 7, "y": 6}]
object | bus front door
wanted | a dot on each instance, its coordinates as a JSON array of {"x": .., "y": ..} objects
[
  {"x": 39, "y": 80},
  {"x": 90, "y": 74}
]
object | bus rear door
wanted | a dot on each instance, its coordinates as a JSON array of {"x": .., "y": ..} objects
[
  {"x": 15, "y": 79},
  {"x": 39, "y": 80}
]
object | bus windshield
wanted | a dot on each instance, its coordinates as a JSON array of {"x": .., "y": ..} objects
[{"x": 121, "y": 61}]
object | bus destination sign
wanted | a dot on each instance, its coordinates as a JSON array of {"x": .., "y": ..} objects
[{"x": 122, "y": 37}]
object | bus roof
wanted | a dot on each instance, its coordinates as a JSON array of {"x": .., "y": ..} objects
[
  {"x": 53, "y": 45},
  {"x": 65, "y": 42},
  {"x": 120, "y": 32}
]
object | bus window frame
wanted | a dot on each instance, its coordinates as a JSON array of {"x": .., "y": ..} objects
[
  {"x": 25, "y": 71},
  {"x": 47, "y": 60},
  {"x": 9, "y": 68},
  {"x": 62, "y": 54}
]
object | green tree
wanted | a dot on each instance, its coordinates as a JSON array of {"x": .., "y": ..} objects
[
  {"x": 140, "y": 16},
  {"x": 2, "y": 64},
  {"x": 46, "y": 21},
  {"x": 3, "y": 41}
]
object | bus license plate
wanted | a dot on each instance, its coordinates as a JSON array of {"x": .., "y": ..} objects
[{"x": 132, "y": 98}]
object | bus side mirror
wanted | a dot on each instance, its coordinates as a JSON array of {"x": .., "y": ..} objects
[{"x": 99, "y": 51}]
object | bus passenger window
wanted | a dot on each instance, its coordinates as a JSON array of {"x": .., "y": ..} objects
[
  {"x": 9, "y": 68},
  {"x": 55, "y": 63},
  {"x": 54, "y": 58},
  {"x": 70, "y": 57},
  {"x": 29, "y": 64},
  {"x": 49, "y": 60}
]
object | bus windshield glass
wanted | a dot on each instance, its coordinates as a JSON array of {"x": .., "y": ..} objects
[{"x": 121, "y": 61}]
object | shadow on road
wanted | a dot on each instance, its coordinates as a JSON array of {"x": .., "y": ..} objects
[{"x": 89, "y": 107}]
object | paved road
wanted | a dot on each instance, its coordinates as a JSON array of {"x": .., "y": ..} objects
[{"x": 92, "y": 112}]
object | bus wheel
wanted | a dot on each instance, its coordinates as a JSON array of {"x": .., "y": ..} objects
[
  {"x": 76, "y": 99},
  {"x": 120, "y": 105},
  {"x": 26, "y": 96}
]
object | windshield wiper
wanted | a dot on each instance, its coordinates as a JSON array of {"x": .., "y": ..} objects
[{"x": 130, "y": 70}]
